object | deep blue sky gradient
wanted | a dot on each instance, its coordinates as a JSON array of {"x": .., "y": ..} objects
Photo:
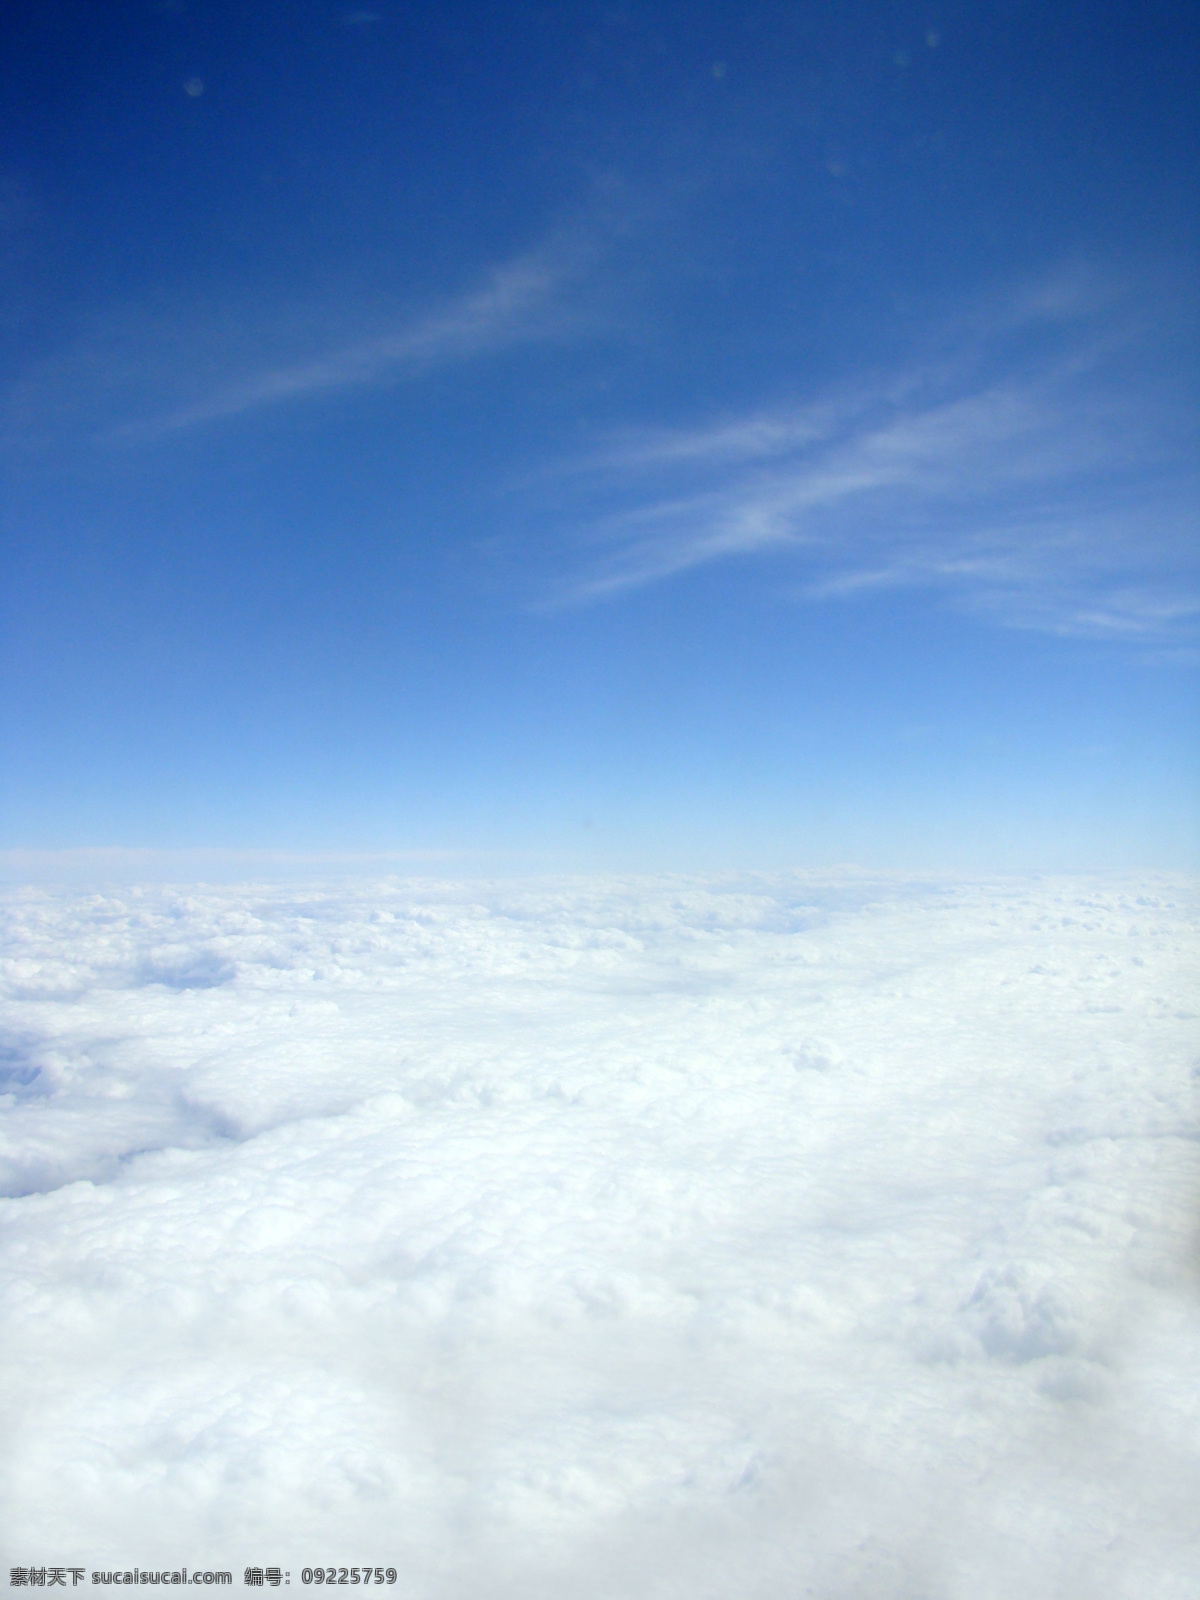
[{"x": 636, "y": 435}]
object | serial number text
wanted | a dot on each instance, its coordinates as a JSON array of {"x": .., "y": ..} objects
[{"x": 348, "y": 1575}]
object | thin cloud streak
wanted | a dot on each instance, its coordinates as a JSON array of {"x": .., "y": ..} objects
[
  {"x": 517, "y": 304},
  {"x": 1044, "y": 493},
  {"x": 141, "y": 372}
]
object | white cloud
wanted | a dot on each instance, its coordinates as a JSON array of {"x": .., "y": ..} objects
[
  {"x": 518, "y": 303},
  {"x": 102, "y": 866},
  {"x": 728, "y": 1236},
  {"x": 1023, "y": 473},
  {"x": 150, "y": 370}
]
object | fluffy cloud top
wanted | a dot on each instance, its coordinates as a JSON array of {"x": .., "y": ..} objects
[{"x": 822, "y": 1235}]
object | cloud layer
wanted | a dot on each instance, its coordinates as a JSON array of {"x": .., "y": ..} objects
[{"x": 759, "y": 1236}]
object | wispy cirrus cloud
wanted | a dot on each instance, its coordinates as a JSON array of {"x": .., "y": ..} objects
[
  {"x": 520, "y": 301},
  {"x": 143, "y": 372},
  {"x": 1031, "y": 469}
]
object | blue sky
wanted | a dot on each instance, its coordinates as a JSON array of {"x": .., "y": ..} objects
[{"x": 640, "y": 435}]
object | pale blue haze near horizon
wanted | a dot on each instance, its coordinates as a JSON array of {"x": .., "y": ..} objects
[{"x": 629, "y": 436}]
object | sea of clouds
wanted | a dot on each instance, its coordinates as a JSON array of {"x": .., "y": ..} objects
[{"x": 736, "y": 1238}]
